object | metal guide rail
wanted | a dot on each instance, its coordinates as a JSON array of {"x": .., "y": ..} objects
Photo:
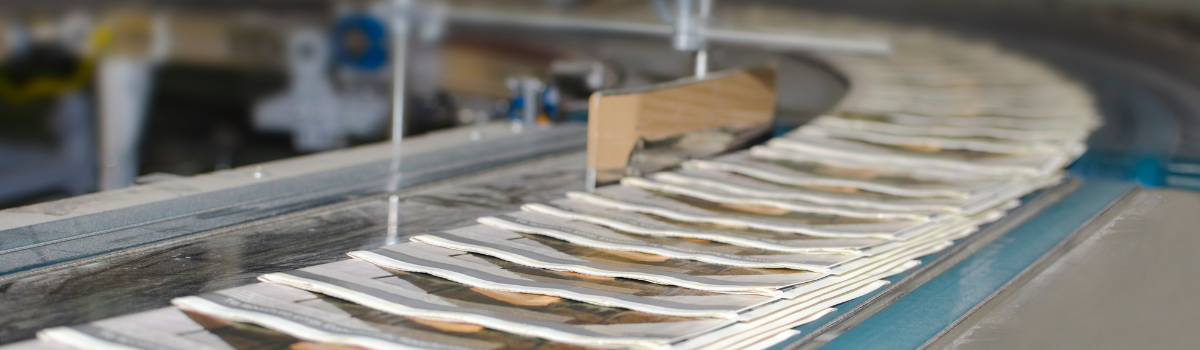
[{"x": 88, "y": 226}]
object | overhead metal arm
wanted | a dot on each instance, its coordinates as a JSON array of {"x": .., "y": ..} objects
[{"x": 797, "y": 42}]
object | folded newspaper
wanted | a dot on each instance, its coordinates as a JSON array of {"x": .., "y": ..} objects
[
  {"x": 488, "y": 272},
  {"x": 932, "y": 144},
  {"x": 169, "y": 328},
  {"x": 610, "y": 240},
  {"x": 970, "y": 163},
  {"x": 550, "y": 253},
  {"x": 698, "y": 211},
  {"x": 732, "y": 184},
  {"x": 1048, "y": 130},
  {"x": 658, "y": 226},
  {"x": 558, "y": 319},
  {"x": 846, "y": 176},
  {"x": 324, "y": 319}
]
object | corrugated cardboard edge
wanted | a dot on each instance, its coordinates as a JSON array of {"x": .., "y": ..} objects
[{"x": 618, "y": 119}]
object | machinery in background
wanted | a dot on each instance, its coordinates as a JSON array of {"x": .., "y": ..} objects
[
  {"x": 181, "y": 91},
  {"x": 561, "y": 97},
  {"x": 316, "y": 116},
  {"x": 46, "y": 117},
  {"x": 190, "y": 89}
]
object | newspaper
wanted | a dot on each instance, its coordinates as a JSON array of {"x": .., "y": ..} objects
[
  {"x": 681, "y": 208},
  {"x": 773, "y": 206},
  {"x": 932, "y": 144},
  {"x": 731, "y": 183},
  {"x": 969, "y": 163},
  {"x": 317, "y": 317},
  {"x": 1050, "y": 130},
  {"x": 540, "y": 251},
  {"x": 780, "y": 315},
  {"x": 658, "y": 226},
  {"x": 276, "y": 306},
  {"x": 649, "y": 225},
  {"x": 593, "y": 236},
  {"x": 864, "y": 101},
  {"x": 697, "y": 212},
  {"x": 487, "y": 272},
  {"x": 166, "y": 328},
  {"x": 747, "y": 333},
  {"x": 37, "y": 344},
  {"x": 1003, "y": 128},
  {"x": 606, "y": 239},
  {"x": 789, "y": 313},
  {"x": 799, "y": 216},
  {"x": 899, "y": 96},
  {"x": 549, "y": 253},
  {"x": 849, "y": 176},
  {"x": 553, "y": 318}
]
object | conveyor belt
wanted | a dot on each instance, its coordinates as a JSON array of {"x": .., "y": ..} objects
[
  {"x": 1148, "y": 95},
  {"x": 1148, "y": 101},
  {"x": 1147, "y": 238}
]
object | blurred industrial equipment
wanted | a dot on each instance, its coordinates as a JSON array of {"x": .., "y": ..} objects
[
  {"x": 182, "y": 88},
  {"x": 222, "y": 139}
]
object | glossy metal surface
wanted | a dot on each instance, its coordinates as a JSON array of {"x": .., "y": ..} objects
[
  {"x": 107, "y": 222},
  {"x": 1127, "y": 282},
  {"x": 792, "y": 41},
  {"x": 149, "y": 275}
]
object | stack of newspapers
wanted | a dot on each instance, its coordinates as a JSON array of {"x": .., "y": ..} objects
[{"x": 729, "y": 252}]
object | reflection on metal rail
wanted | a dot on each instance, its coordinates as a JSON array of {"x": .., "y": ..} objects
[{"x": 770, "y": 40}]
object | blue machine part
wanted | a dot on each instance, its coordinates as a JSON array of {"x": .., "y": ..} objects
[
  {"x": 549, "y": 106},
  {"x": 515, "y": 108},
  {"x": 360, "y": 41},
  {"x": 550, "y": 101}
]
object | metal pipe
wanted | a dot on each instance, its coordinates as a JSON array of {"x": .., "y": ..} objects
[
  {"x": 663, "y": 11},
  {"x": 770, "y": 40},
  {"x": 399, "y": 23},
  {"x": 685, "y": 37},
  {"x": 530, "y": 87},
  {"x": 800, "y": 42},
  {"x": 701, "y": 64},
  {"x": 399, "y": 31}
]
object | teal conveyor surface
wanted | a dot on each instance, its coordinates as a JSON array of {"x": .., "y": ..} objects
[{"x": 920, "y": 315}]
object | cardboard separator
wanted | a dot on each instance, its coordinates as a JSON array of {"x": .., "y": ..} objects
[{"x": 640, "y": 130}]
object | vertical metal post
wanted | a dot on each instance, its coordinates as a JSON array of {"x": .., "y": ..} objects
[
  {"x": 685, "y": 38},
  {"x": 399, "y": 30},
  {"x": 530, "y": 87},
  {"x": 123, "y": 85},
  {"x": 701, "y": 63},
  {"x": 399, "y": 24},
  {"x": 688, "y": 36}
]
